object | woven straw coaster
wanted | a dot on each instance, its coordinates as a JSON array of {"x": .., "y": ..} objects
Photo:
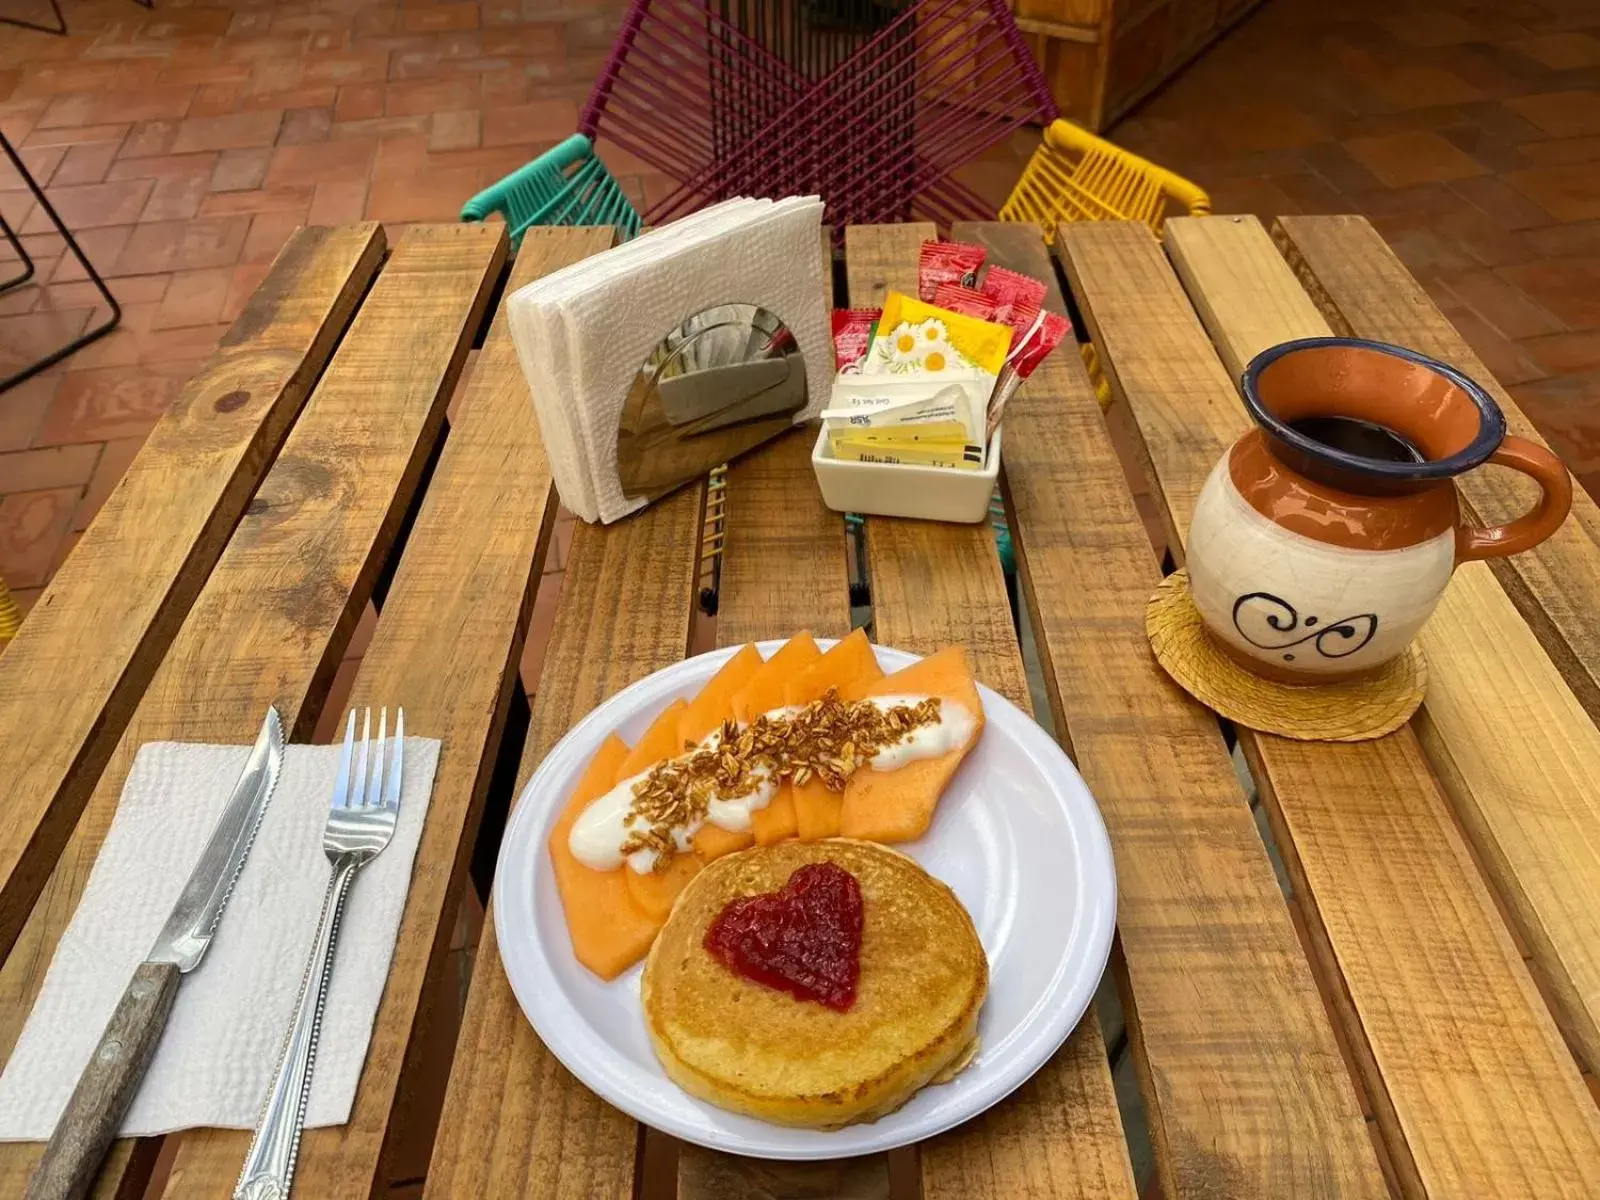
[{"x": 1347, "y": 711}]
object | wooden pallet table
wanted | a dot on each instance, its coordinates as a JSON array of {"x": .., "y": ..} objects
[{"x": 1413, "y": 1010}]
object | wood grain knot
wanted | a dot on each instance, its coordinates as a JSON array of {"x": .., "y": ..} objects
[
  {"x": 234, "y": 400},
  {"x": 256, "y": 507}
]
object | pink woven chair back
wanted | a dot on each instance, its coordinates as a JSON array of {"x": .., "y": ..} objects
[{"x": 872, "y": 107}]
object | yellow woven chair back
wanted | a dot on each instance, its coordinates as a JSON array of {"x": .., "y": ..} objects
[
  {"x": 1076, "y": 176},
  {"x": 10, "y": 615}
]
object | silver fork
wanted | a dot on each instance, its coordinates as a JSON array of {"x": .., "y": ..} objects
[{"x": 366, "y": 807}]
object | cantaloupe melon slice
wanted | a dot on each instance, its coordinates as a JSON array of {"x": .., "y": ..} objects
[
  {"x": 706, "y": 712},
  {"x": 764, "y": 692},
  {"x": 849, "y": 663},
  {"x": 714, "y": 703},
  {"x": 713, "y": 841},
  {"x": 897, "y": 806},
  {"x": 655, "y": 892},
  {"x": 766, "y": 686},
  {"x": 656, "y": 743},
  {"x": 609, "y": 932}
]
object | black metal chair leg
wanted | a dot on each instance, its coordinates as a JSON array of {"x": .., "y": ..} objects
[
  {"x": 61, "y": 21},
  {"x": 22, "y": 253},
  {"x": 83, "y": 339}
]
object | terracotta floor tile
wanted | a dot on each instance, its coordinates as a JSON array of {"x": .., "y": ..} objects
[
  {"x": 269, "y": 199},
  {"x": 176, "y": 197},
  {"x": 246, "y": 278},
  {"x": 542, "y": 120},
  {"x": 1497, "y": 200},
  {"x": 359, "y": 102},
  {"x": 1420, "y": 86},
  {"x": 100, "y": 246},
  {"x": 27, "y": 338},
  {"x": 24, "y": 407},
  {"x": 241, "y": 170},
  {"x": 150, "y": 138},
  {"x": 437, "y": 196},
  {"x": 88, "y": 205},
  {"x": 1568, "y": 288},
  {"x": 50, "y": 467},
  {"x": 345, "y": 161},
  {"x": 439, "y": 17},
  {"x": 235, "y": 132},
  {"x": 302, "y": 125},
  {"x": 337, "y": 203},
  {"x": 115, "y": 459},
  {"x": 424, "y": 97},
  {"x": 1402, "y": 159},
  {"x": 87, "y": 162},
  {"x": 1562, "y": 150},
  {"x": 1564, "y": 241},
  {"x": 73, "y": 135},
  {"x": 1568, "y": 193},
  {"x": 1564, "y": 353},
  {"x": 99, "y": 405},
  {"x": 162, "y": 165},
  {"x": 194, "y": 298},
  {"x": 32, "y": 527},
  {"x": 346, "y": 68},
  {"x": 454, "y": 131},
  {"x": 216, "y": 99},
  {"x": 184, "y": 245},
  {"x": 1563, "y": 406},
  {"x": 42, "y": 163},
  {"x": 1561, "y": 51},
  {"x": 1562, "y": 114},
  {"x": 268, "y": 232},
  {"x": 1502, "y": 305}
]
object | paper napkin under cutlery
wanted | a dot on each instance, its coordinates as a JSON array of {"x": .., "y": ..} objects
[
  {"x": 215, "y": 1061},
  {"x": 582, "y": 333}
]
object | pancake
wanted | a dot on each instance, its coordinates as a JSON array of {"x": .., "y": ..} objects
[{"x": 759, "y": 1051}]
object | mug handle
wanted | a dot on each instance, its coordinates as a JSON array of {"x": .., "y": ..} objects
[{"x": 1526, "y": 532}]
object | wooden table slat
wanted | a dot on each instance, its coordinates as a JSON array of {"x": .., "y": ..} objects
[
  {"x": 273, "y": 619},
  {"x": 446, "y": 647},
  {"x": 1474, "y": 1090},
  {"x": 515, "y": 1121},
  {"x": 1365, "y": 290},
  {"x": 65, "y": 697},
  {"x": 784, "y": 569},
  {"x": 1512, "y": 745},
  {"x": 1246, "y": 1091},
  {"x": 932, "y": 585}
]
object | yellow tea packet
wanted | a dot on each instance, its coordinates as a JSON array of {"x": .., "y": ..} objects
[
  {"x": 952, "y": 455},
  {"x": 918, "y": 338}
]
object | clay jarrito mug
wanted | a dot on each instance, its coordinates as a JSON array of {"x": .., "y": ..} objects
[{"x": 1323, "y": 539}]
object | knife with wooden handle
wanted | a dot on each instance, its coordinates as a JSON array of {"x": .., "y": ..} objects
[{"x": 108, "y": 1084}]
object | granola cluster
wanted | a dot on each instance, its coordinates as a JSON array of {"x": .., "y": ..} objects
[{"x": 828, "y": 739}]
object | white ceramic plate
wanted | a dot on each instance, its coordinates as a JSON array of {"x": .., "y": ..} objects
[{"x": 1018, "y": 837}]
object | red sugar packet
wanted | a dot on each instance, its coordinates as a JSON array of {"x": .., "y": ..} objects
[
  {"x": 852, "y": 334},
  {"x": 1042, "y": 334},
  {"x": 965, "y": 300},
  {"x": 947, "y": 262},
  {"x": 1010, "y": 290}
]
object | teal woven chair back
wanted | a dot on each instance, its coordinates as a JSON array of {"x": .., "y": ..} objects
[{"x": 566, "y": 185}]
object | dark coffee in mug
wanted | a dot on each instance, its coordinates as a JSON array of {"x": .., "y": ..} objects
[{"x": 1368, "y": 439}]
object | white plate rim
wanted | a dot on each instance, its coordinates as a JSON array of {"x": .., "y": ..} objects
[{"x": 1094, "y": 922}]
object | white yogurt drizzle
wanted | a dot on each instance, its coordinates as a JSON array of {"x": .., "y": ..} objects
[{"x": 603, "y": 828}]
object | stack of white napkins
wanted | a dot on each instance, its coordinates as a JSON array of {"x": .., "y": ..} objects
[{"x": 583, "y": 333}]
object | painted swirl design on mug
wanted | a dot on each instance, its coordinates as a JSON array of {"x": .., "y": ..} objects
[{"x": 1336, "y": 639}]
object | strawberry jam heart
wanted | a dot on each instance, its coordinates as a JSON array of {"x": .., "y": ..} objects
[{"x": 804, "y": 939}]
